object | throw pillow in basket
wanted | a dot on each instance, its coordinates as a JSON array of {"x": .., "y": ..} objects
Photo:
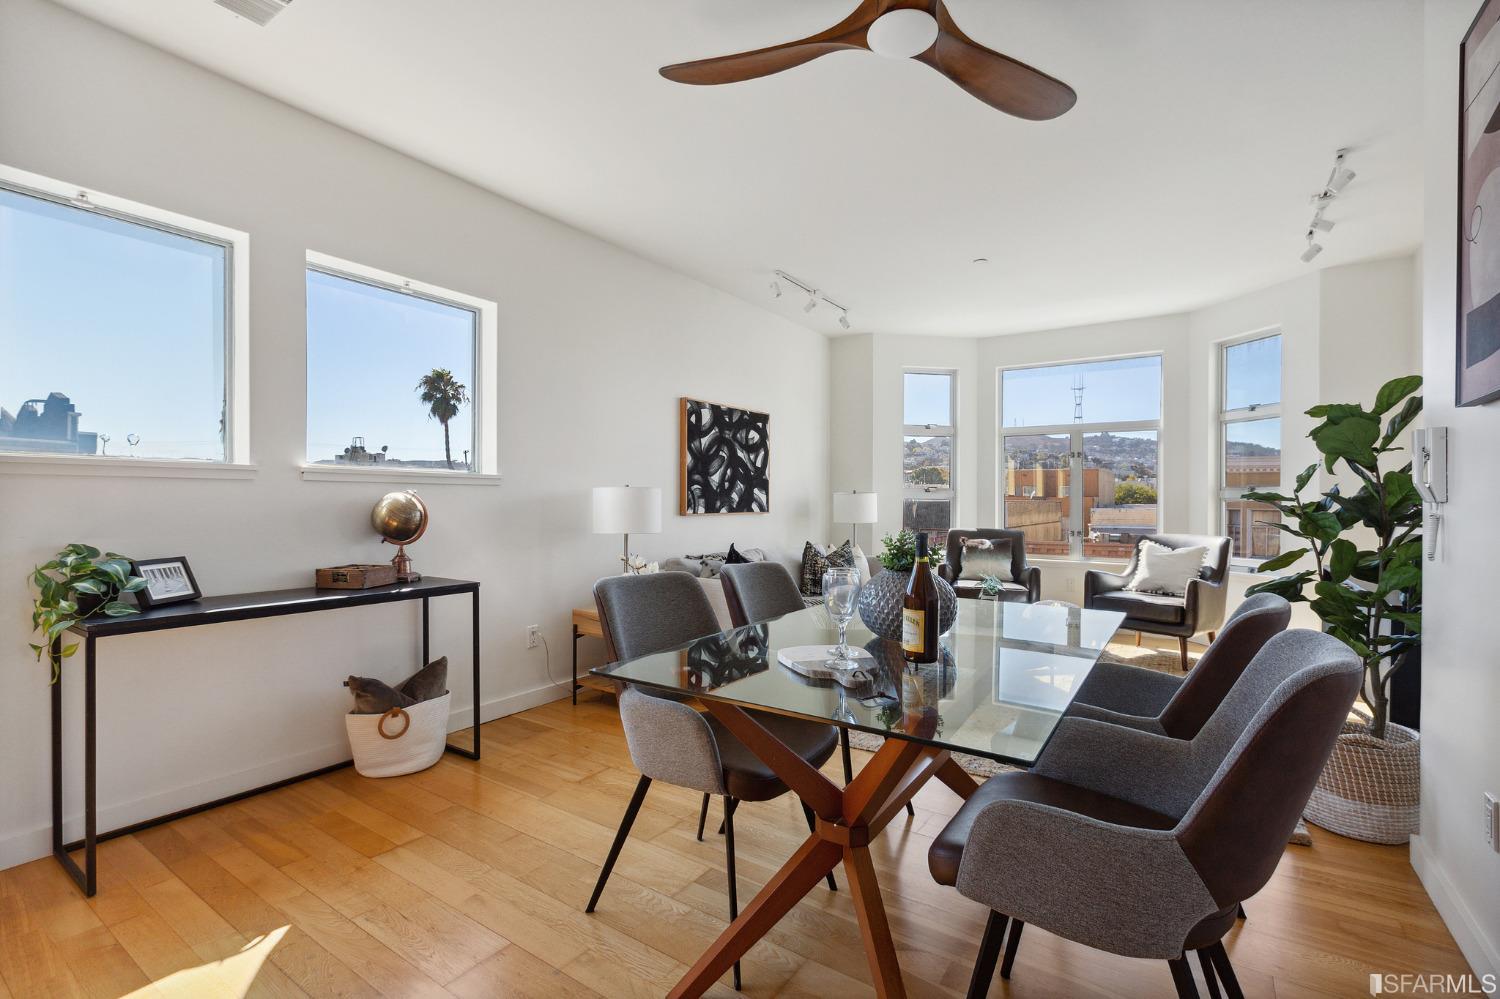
[{"x": 376, "y": 697}]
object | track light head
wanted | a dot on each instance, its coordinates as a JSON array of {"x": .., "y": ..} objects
[
  {"x": 844, "y": 320},
  {"x": 812, "y": 302},
  {"x": 1341, "y": 178},
  {"x": 1322, "y": 225},
  {"x": 775, "y": 289},
  {"x": 1313, "y": 249}
]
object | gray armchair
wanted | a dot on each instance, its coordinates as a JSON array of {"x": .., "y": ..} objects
[
  {"x": 1144, "y": 845},
  {"x": 1201, "y": 608},
  {"x": 1025, "y": 584},
  {"x": 1177, "y": 706}
]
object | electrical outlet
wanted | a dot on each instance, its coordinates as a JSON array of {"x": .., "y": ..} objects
[
  {"x": 1492, "y": 822},
  {"x": 532, "y": 633}
]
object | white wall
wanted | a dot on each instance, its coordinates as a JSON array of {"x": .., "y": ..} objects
[
  {"x": 1460, "y": 661},
  {"x": 596, "y": 347}
]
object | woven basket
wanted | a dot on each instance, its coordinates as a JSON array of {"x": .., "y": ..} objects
[
  {"x": 401, "y": 741},
  {"x": 1370, "y": 789}
]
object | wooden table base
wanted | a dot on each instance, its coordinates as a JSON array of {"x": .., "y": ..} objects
[{"x": 847, "y": 820}]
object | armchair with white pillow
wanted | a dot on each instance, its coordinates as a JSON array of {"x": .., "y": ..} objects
[{"x": 1166, "y": 589}]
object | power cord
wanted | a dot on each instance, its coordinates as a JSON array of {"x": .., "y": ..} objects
[{"x": 547, "y": 651}]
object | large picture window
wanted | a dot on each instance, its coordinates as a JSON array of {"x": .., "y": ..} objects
[
  {"x": 395, "y": 372},
  {"x": 927, "y": 467},
  {"x": 1080, "y": 448},
  {"x": 1250, "y": 445},
  {"x": 118, "y": 328}
]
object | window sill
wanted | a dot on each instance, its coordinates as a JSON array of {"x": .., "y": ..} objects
[
  {"x": 141, "y": 468},
  {"x": 405, "y": 476}
]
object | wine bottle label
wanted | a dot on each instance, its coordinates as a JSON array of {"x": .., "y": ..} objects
[{"x": 913, "y": 628}]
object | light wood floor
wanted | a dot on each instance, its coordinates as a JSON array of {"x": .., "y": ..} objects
[{"x": 470, "y": 880}]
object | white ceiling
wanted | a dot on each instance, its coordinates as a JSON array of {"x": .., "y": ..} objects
[{"x": 1181, "y": 178}]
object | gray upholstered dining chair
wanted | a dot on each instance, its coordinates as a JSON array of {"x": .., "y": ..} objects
[
  {"x": 1201, "y": 608},
  {"x": 1178, "y": 706},
  {"x": 1144, "y": 845},
  {"x": 1025, "y": 583},
  {"x": 668, "y": 740},
  {"x": 759, "y": 591}
]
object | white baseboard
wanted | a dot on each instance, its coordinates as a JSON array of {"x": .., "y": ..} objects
[
  {"x": 1478, "y": 949},
  {"x": 21, "y": 847}
]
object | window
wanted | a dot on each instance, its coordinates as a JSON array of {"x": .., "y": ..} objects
[
  {"x": 122, "y": 328},
  {"x": 398, "y": 373},
  {"x": 1080, "y": 448},
  {"x": 1250, "y": 416},
  {"x": 927, "y": 454}
]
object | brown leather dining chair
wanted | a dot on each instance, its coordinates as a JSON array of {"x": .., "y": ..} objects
[
  {"x": 1142, "y": 845},
  {"x": 671, "y": 742}
]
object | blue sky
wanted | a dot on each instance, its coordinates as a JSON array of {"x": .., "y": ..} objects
[
  {"x": 1115, "y": 391},
  {"x": 128, "y": 322}
]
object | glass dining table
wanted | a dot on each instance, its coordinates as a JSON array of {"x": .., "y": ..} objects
[{"x": 1007, "y": 673}]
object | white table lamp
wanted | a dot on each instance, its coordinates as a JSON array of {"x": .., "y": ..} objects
[
  {"x": 854, "y": 508},
  {"x": 627, "y": 510}
]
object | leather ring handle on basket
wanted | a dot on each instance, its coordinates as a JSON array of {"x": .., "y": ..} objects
[{"x": 393, "y": 713}]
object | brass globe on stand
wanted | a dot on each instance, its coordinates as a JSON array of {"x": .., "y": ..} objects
[{"x": 400, "y": 518}]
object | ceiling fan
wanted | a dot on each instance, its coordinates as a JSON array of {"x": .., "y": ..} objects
[{"x": 902, "y": 29}]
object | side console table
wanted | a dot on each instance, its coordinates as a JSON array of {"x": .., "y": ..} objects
[{"x": 214, "y": 610}]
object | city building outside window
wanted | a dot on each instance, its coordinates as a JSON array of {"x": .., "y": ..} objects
[
  {"x": 1080, "y": 451},
  {"x": 1250, "y": 445},
  {"x": 929, "y": 401}
]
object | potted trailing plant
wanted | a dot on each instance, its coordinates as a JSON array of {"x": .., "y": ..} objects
[
  {"x": 880, "y": 598},
  {"x": 1366, "y": 587},
  {"x": 78, "y": 584}
]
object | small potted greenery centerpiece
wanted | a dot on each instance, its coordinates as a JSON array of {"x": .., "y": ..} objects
[
  {"x": 1366, "y": 583},
  {"x": 880, "y": 598},
  {"x": 78, "y": 584}
]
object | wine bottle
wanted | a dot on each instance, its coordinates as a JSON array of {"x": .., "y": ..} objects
[{"x": 919, "y": 615}]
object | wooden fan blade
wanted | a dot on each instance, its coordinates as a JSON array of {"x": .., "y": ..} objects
[
  {"x": 847, "y": 34},
  {"x": 998, "y": 80}
]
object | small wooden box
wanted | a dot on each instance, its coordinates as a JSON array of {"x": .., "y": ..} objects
[{"x": 356, "y": 577}]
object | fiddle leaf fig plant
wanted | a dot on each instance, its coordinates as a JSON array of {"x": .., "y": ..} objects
[
  {"x": 79, "y": 583},
  {"x": 1368, "y": 597}
]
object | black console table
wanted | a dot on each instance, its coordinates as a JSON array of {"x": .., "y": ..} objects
[{"x": 214, "y": 610}]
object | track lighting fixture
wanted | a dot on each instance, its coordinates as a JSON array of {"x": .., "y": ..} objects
[
  {"x": 1338, "y": 179},
  {"x": 814, "y": 296}
]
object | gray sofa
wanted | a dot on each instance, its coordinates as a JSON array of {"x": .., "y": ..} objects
[{"x": 706, "y": 567}]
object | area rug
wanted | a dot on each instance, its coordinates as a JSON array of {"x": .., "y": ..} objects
[{"x": 1128, "y": 655}]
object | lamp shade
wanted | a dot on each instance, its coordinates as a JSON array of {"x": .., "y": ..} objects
[
  {"x": 627, "y": 510},
  {"x": 854, "y": 508}
]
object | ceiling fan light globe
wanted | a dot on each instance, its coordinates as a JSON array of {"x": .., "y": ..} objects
[{"x": 901, "y": 34}]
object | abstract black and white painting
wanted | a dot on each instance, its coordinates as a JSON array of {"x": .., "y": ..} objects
[{"x": 726, "y": 459}]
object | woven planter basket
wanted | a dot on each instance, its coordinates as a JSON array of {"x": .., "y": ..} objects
[
  {"x": 1370, "y": 789},
  {"x": 401, "y": 741}
]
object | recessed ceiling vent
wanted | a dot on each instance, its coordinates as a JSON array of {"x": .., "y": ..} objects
[{"x": 258, "y": 11}]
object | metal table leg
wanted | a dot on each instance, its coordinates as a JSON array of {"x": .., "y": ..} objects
[
  {"x": 85, "y": 877},
  {"x": 472, "y": 754},
  {"x": 576, "y": 636}
]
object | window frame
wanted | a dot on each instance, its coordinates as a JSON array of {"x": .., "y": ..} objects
[
  {"x": 484, "y": 393},
  {"x": 1076, "y": 432},
  {"x": 948, "y": 430},
  {"x": 236, "y": 460},
  {"x": 1244, "y": 414}
]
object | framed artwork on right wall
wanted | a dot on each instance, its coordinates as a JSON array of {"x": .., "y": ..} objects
[{"x": 1477, "y": 351}]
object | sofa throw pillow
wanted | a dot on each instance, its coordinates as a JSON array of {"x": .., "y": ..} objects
[
  {"x": 818, "y": 559},
  {"x": 983, "y": 557},
  {"x": 1166, "y": 570},
  {"x": 428, "y": 682},
  {"x": 734, "y": 557}
]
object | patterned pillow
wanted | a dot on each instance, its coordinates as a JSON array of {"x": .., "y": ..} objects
[
  {"x": 983, "y": 557},
  {"x": 818, "y": 559}
]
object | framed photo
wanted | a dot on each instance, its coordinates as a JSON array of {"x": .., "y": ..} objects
[
  {"x": 1477, "y": 350},
  {"x": 726, "y": 459},
  {"x": 168, "y": 581}
]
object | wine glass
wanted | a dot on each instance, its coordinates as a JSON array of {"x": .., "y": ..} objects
[{"x": 840, "y": 596}]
